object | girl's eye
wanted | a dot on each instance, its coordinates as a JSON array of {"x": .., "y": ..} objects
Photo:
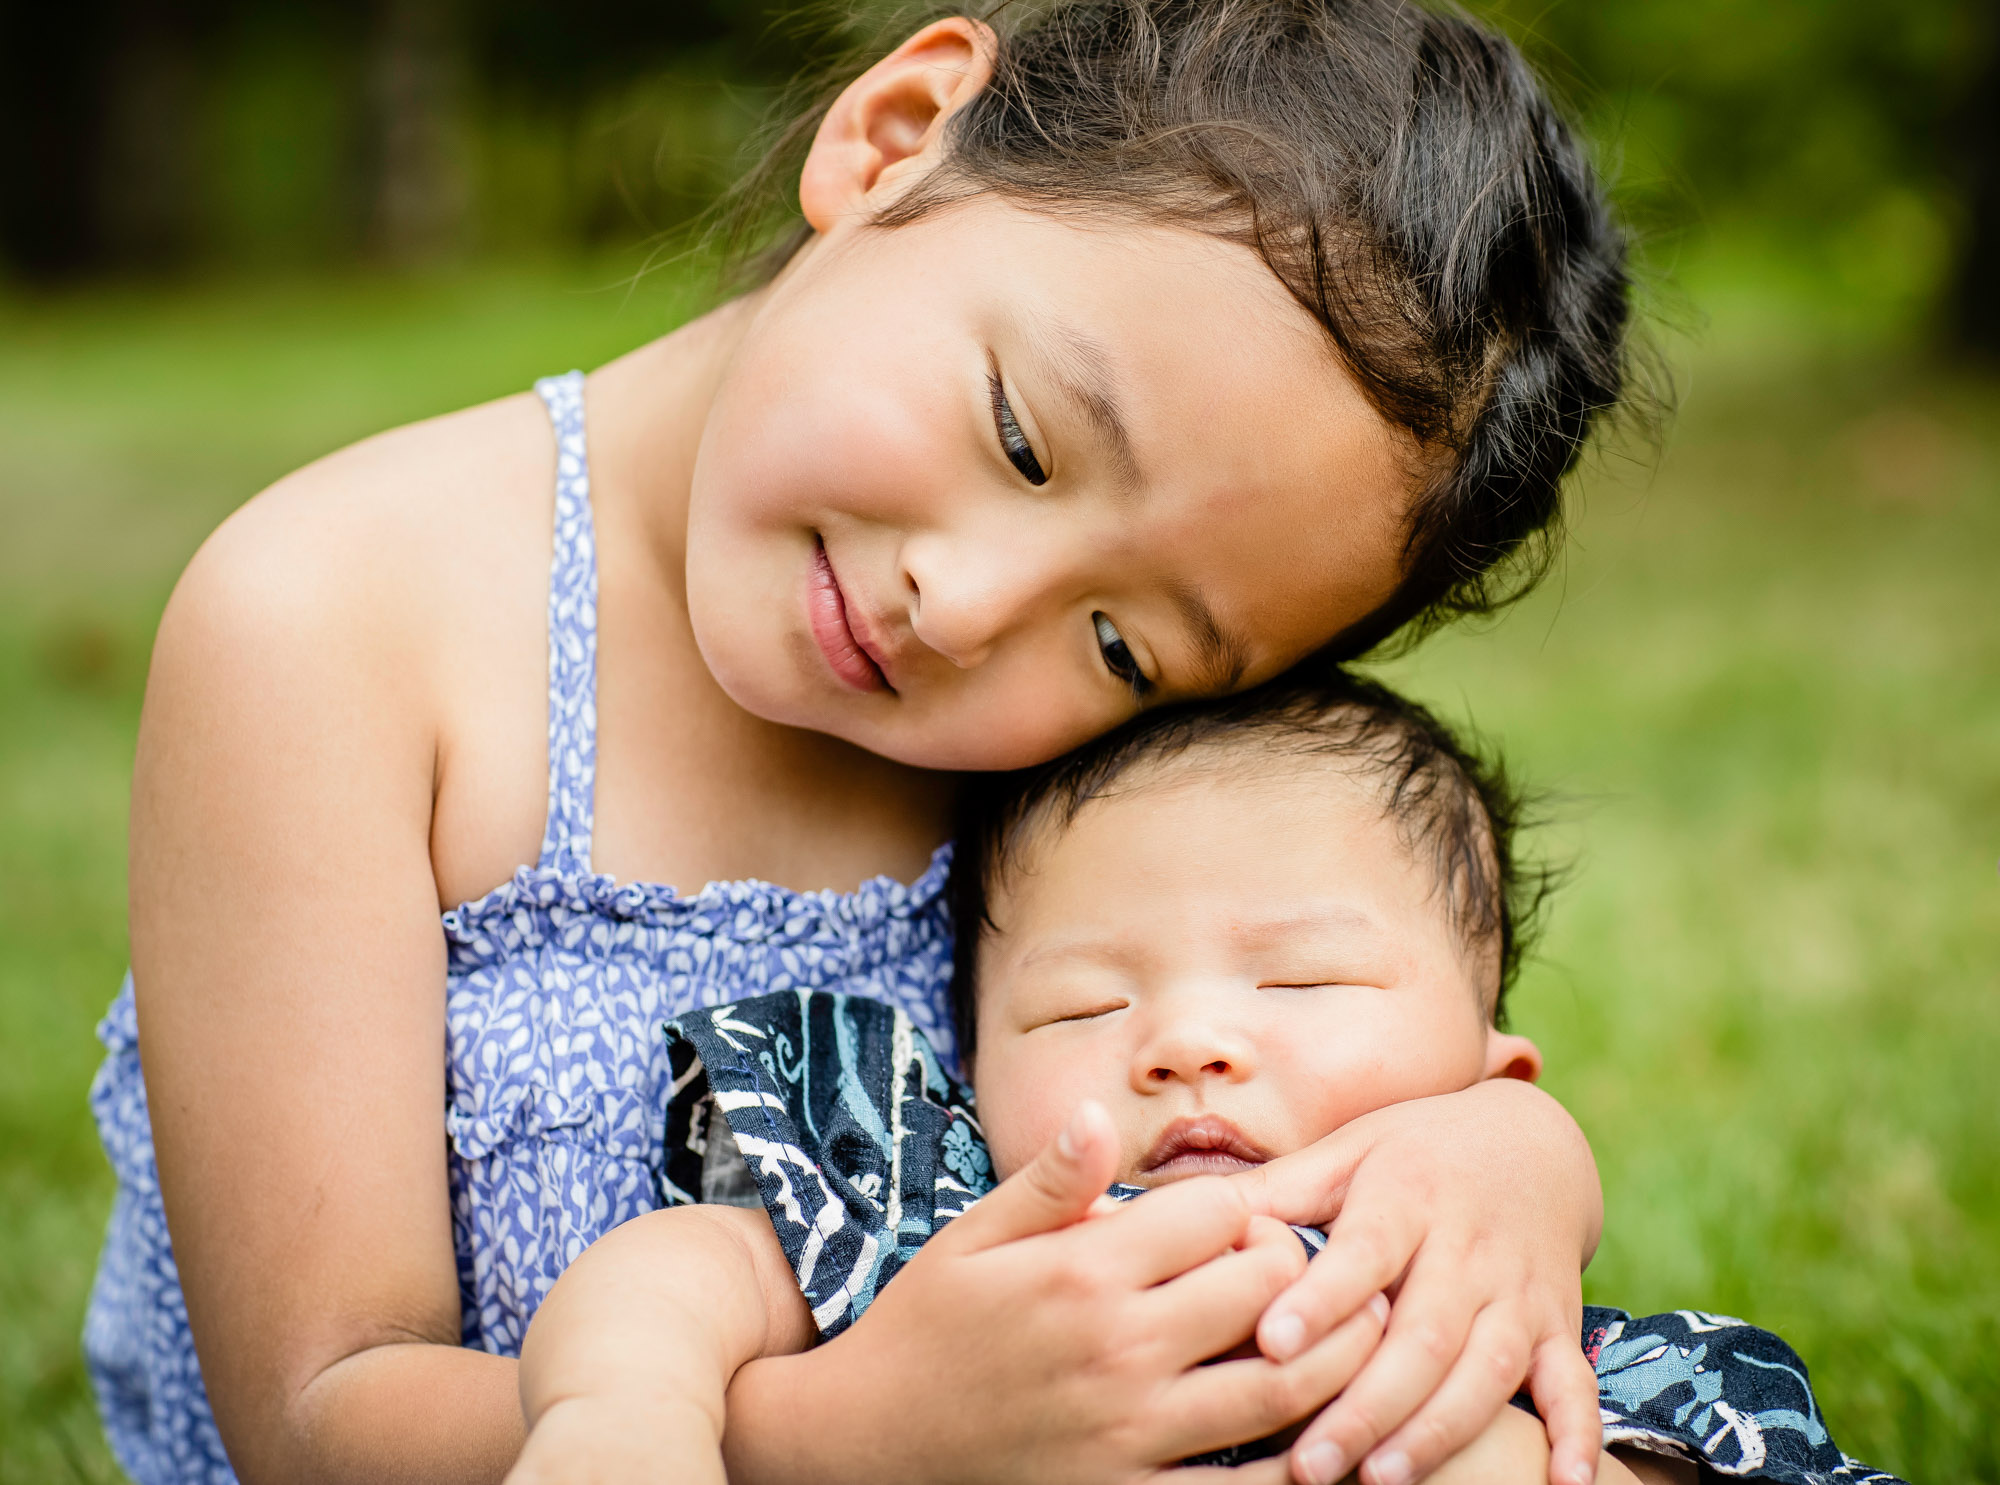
[
  {"x": 1118, "y": 656},
  {"x": 1013, "y": 442}
]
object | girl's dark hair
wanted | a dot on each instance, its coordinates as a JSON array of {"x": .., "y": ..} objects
[
  {"x": 1399, "y": 168},
  {"x": 1457, "y": 812}
]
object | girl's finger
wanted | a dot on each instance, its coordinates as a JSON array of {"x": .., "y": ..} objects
[
  {"x": 1232, "y": 1402},
  {"x": 1417, "y": 1353},
  {"x": 1215, "y": 1305},
  {"x": 1308, "y": 1185},
  {"x": 1166, "y": 1233},
  {"x": 1565, "y": 1391},
  {"x": 1053, "y": 1190},
  {"x": 1488, "y": 1372},
  {"x": 1366, "y": 1252}
]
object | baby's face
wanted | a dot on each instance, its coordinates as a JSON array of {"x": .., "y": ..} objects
[{"x": 1234, "y": 965}]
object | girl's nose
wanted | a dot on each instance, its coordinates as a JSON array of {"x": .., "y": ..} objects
[
  {"x": 1192, "y": 1049},
  {"x": 969, "y": 592}
]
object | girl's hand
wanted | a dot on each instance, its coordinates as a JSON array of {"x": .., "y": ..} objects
[
  {"x": 1025, "y": 1344},
  {"x": 1477, "y": 1211}
]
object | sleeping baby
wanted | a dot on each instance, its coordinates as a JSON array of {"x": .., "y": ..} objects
[{"x": 1203, "y": 942}]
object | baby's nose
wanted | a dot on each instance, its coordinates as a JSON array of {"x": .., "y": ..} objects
[{"x": 1194, "y": 1052}]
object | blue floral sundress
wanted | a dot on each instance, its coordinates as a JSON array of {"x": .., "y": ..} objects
[{"x": 558, "y": 985}]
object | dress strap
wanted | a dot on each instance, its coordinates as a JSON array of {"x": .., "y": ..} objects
[{"x": 572, "y": 637}]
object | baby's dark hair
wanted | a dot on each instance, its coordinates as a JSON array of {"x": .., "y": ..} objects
[
  {"x": 1457, "y": 812},
  {"x": 1402, "y": 172}
]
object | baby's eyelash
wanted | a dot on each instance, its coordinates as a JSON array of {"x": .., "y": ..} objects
[{"x": 1013, "y": 442}]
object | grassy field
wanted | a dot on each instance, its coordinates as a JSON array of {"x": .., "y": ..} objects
[{"x": 1764, "y": 687}]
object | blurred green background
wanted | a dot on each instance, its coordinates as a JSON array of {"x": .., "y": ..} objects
[{"x": 1763, "y": 682}]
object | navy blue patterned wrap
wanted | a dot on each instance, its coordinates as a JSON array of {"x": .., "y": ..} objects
[{"x": 862, "y": 1147}]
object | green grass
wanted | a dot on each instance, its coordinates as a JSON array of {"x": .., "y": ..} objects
[{"x": 1764, "y": 684}]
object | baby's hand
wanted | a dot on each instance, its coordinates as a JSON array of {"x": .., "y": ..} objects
[{"x": 1477, "y": 1211}]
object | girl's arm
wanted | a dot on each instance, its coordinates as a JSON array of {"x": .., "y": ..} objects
[
  {"x": 625, "y": 1367},
  {"x": 290, "y": 971},
  {"x": 1483, "y": 1206}
]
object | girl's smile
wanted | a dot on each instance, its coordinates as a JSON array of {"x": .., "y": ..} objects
[
  {"x": 840, "y": 631},
  {"x": 1010, "y": 477}
]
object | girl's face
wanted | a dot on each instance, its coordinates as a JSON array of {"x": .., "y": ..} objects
[
  {"x": 974, "y": 490},
  {"x": 1232, "y": 966}
]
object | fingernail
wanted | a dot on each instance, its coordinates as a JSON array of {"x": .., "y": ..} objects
[
  {"x": 1322, "y": 1463},
  {"x": 1583, "y": 1472},
  {"x": 1391, "y": 1469},
  {"x": 1072, "y": 1135},
  {"x": 1284, "y": 1337},
  {"x": 1379, "y": 1307}
]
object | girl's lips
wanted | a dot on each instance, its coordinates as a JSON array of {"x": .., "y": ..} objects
[
  {"x": 1208, "y": 1146},
  {"x": 826, "y": 608}
]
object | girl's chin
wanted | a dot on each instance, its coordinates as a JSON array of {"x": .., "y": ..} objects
[{"x": 784, "y": 679}]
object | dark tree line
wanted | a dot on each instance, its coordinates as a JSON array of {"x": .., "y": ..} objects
[
  {"x": 1807, "y": 113},
  {"x": 1977, "y": 306},
  {"x": 103, "y": 101}
]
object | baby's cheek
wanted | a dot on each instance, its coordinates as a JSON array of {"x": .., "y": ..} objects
[{"x": 1022, "y": 1107}]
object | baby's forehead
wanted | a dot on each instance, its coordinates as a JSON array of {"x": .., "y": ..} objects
[
  {"x": 1235, "y": 826},
  {"x": 1224, "y": 775}
]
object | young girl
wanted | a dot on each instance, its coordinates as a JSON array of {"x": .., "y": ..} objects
[
  {"x": 1130, "y": 357},
  {"x": 1200, "y": 943}
]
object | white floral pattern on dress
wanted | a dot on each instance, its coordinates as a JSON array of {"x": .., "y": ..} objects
[{"x": 558, "y": 986}]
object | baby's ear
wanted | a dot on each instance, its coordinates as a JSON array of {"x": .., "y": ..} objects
[{"x": 1510, "y": 1056}]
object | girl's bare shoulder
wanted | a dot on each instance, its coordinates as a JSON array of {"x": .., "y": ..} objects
[
  {"x": 436, "y": 501},
  {"x": 389, "y": 564},
  {"x": 401, "y": 539}
]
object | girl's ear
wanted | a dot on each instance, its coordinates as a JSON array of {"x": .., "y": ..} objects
[
  {"x": 1509, "y": 1056},
  {"x": 886, "y": 124}
]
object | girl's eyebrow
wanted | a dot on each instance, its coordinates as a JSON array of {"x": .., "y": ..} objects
[
  {"x": 1081, "y": 368},
  {"x": 1220, "y": 655}
]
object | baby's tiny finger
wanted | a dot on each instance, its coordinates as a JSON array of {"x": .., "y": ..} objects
[
  {"x": 1565, "y": 1392},
  {"x": 1365, "y": 1253}
]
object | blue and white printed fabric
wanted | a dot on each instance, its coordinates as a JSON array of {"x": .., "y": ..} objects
[
  {"x": 862, "y": 1146},
  {"x": 1714, "y": 1390},
  {"x": 557, "y": 985},
  {"x": 860, "y": 1143}
]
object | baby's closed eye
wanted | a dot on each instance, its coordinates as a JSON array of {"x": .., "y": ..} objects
[{"x": 1062, "y": 1013}]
